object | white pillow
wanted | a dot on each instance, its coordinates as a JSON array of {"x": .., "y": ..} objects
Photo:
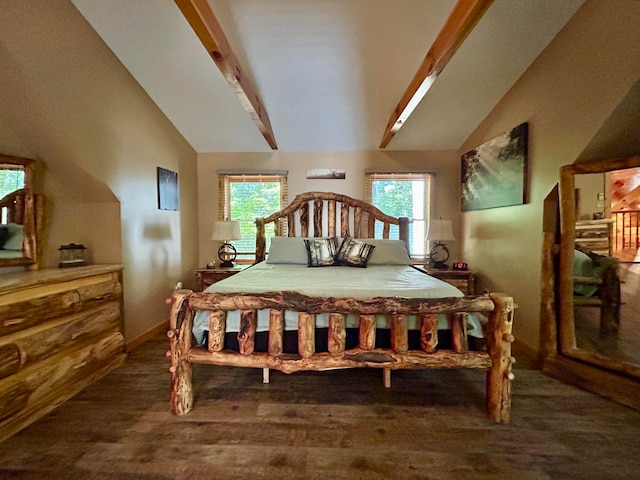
[
  {"x": 289, "y": 250},
  {"x": 388, "y": 252},
  {"x": 14, "y": 240}
]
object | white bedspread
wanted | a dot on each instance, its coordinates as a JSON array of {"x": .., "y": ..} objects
[{"x": 373, "y": 281}]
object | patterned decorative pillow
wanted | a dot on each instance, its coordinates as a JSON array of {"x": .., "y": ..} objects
[
  {"x": 354, "y": 253},
  {"x": 321, "y": 252}
]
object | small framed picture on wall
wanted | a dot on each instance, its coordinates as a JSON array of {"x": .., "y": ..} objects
[{"x": 168, "y": 192}]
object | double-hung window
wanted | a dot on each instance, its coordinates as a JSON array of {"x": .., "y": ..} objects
[
  {"x": 403, "y": 195},
  {"x": 245, "y": 196}
]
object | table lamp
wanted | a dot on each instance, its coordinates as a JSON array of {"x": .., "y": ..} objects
[{"x": 439, "y": 231}]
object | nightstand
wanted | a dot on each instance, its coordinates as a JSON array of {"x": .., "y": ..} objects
[
  {"x": 209, "y": 276},
  {"x": 464, "y": 280}
]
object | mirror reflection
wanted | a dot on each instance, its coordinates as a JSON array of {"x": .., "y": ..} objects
[
  {"x": 12, "y": 182},
  {"x": 607, "y": 264},
  {"x": 20, "y": 212}
]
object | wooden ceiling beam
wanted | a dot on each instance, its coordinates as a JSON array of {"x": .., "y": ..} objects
[
  {"x": 461, "y": 21},
  {"x": 206, "y": 26}
]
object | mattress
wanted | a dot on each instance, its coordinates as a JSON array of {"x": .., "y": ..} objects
[{"x": 372, "y": 281}]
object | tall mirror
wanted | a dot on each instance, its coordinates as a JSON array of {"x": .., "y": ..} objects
[
  {"x": 600, "y": 264},
  {"x": 19, "y": 209}
]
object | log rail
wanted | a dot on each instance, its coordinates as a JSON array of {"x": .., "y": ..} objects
[{"x": 496, "y": 359}]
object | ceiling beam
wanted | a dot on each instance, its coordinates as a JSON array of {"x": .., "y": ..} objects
[
  {"x": 206, "y": 26},
  {"x": 463, "y": 19}
]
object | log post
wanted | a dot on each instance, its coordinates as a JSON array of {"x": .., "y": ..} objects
[
  {"x": 306, "y": 334},
  {"x": 367, "y": 332},
  {"x": 247, "y": 331},
  {"x": 337, "y": 334},
  {"x": 291, "y": 225},
  {"x": 357, "y": 222},
  {"x": 403, "y": 231},
  {"x": 499, "y": 375},
  {"x": 429, "y": 333},
  {"x": 386, "y": 227},
  {"x": 318, "y": 206},
  {"x": 331, "y": 218},
  {"x": 386, "y": 377},
  {"x": 459, "y": 341},
  {"x": 276, "y": 327},
  {"x": 180, "y": 322},
  {"x": 261, "y": 240},
  {"x": 304, "y": 219},
  {"x": 399, "y": 334},
  {"x": 344, "y": 220},
  {"x": 217, "y": 329}
]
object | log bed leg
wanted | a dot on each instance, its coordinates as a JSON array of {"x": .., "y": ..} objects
[
  {"x": 386, "y": 377},
  {"x": 499, "y": 375},
  {"x": 180, "y": 321},
  {"x": 265, "y": 375}
]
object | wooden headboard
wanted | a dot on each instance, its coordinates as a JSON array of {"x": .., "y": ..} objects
[{"x": 356, "y": 219}]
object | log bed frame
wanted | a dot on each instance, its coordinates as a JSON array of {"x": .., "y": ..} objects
[{"x": 357, "y": 219}]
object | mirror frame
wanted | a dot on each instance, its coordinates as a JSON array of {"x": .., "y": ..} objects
[
  {"x": 567, "y": 337},
  {"x": 29, "y": 239}
]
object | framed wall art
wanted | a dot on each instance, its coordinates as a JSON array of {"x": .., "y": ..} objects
[
  {"x": 326, "y": 173},
  {"x": 168, "y": 193},
  {"x": 494, "y": 174}
]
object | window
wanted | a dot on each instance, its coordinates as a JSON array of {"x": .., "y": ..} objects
[
  {"x": 403, "y": 195},
  {"x": 245, "y": 196}
]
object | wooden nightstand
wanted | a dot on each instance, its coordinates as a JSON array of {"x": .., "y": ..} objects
[
  {"x": 209, "y": 276},
  {"x": 464, "y": 280}
]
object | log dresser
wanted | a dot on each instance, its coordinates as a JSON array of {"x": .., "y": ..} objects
[{"x": 60, "y": 330}]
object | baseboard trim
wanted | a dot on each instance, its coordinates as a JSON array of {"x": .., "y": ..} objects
[{"x": 136, "y": 342}]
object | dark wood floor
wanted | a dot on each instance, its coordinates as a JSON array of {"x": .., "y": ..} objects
[{"x": 329, "y": 425}]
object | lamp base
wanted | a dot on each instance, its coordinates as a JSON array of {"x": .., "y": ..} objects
[
  {"x": 226, "y": 254},
  {"x": 438, "y": 265}
]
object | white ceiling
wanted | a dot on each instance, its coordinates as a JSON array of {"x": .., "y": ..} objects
[{"x": 329, "y": 72}]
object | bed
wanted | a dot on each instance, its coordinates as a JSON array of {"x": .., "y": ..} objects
[{"x": 388, "y": 315}]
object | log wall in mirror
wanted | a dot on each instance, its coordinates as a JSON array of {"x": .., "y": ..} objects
[
  {"x": 599, "y": 270},
  {"x": 21, "y": 213}
]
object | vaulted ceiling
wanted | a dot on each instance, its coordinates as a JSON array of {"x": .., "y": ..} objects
[{"x": 328, "y": 73}]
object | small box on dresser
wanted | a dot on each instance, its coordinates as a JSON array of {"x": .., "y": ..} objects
[{"x": 61, "y": 330}]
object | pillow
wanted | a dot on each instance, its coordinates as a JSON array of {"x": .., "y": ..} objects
[
  {"x": 388, "y": 252},
  {"x": 289, "y": 250},
  {"x": 4, "y": 234},
  {"x": 354, "y": 253},
  {"x": 14, "y": 239},
  {"x": 321, "y": 252}
]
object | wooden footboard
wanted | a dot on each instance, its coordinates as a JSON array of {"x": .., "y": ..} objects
[{"x": 497, "y": 359}]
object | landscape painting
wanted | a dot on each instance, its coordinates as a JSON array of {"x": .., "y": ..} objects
[{"x": 494, "y": 174}]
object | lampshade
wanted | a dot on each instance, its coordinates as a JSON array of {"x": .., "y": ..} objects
[
  {"x": 440, "y": 231},
  {"x": 226, "y": 230}
]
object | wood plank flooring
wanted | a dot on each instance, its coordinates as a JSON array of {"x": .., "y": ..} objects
[{"x": 328, "y": 425}]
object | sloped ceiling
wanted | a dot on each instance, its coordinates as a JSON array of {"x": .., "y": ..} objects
[{"x": 329, "y": 72}]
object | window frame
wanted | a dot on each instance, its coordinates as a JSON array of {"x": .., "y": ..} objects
[
  {"x": 225, "y": 179},
  {"x": 428, "y": 179}
]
